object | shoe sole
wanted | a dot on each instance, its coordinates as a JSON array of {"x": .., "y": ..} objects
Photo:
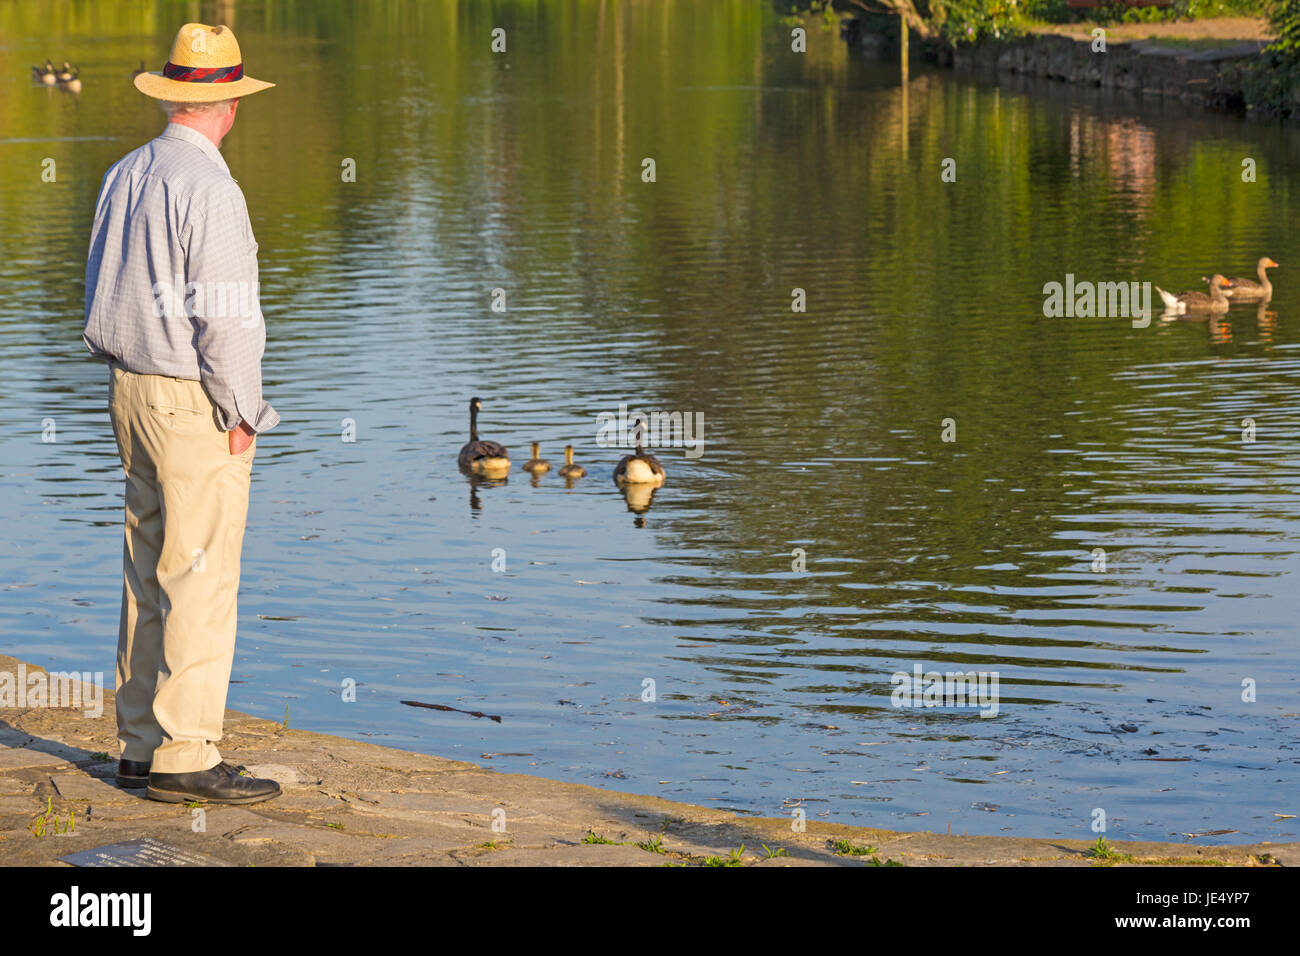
[{"x": 173, "y": 796}]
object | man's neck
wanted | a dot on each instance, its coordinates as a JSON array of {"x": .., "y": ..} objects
[{"x": 201, "y": 125}]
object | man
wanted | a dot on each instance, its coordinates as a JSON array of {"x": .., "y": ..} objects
[{"x": 171, "y": 304}]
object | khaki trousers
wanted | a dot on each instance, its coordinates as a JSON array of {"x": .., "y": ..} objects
[{"x": 186, "y": 503}]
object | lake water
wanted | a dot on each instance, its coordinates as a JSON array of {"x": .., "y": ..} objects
[{"x": 373, "y": 560}]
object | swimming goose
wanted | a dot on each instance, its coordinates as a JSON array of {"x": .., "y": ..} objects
[
  {"x": 1185, "y": 302},
  {"x": 570, "y": 470},
  {"x": 1248, "y": 290},
  {"x": 640, "y": 468},
  {"x": 46, "y": 75},
  {"x": 536, "y": 465},
  {"x": 482, "y": 457},
  {"x": 135, "y": 73},
  {"x": 65, "y": 74},
  {"x": 73, "y": 82}
]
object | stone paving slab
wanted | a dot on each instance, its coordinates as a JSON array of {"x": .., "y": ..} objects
[
  {"x": 79, "y": 786},
  {"x": 359, "y": 804},
  {"x": 17, "y": 758},
  {"x": 572, "y": 855}
]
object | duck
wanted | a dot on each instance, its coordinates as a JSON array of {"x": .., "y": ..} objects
[
  {"x": 46, "y": 74},
  {"x": 1185, "y": 302},
  {"x": 73, "y": 82},
  {"x": 536, "y": 465},
  {"x": 1248, "y": 290},
  {"x": 640, "y": 468},
  {"x": 482, "y": 457},
  {"x": 570, "y": 470}
]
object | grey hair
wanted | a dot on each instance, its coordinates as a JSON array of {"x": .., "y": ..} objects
[{"x": 171, "y": 109}]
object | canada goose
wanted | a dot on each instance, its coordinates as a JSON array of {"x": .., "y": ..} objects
[
  {"x": 73, "y": 83},
  {"x": 1248, "y": 290},
  {"x": 66, "y": 73},
  {"x": 46, "y": 74},
  {"x": 135, "y": 73},
  {"x": 1185, "y": 302},
  {"x": 570, "y": 470},
  {"x": 536, "y": 465},
  {"x": 482, "y": 457},
  {"x": 640, "y": 468}
]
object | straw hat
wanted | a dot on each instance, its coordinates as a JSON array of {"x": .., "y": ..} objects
[{"x": 204, "y": 66}]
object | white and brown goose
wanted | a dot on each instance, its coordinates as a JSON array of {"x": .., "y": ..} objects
[
  {"x": 640, "y": 468},
  {"x": 1248, "y": 290},
  {"x": 480, "y": 456},
  {"x": 1185, "y": 302},
  {"x": 47, "y": 74},
  {"x": 70, "y": 79}
]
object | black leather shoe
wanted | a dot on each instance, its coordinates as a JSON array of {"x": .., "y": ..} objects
[
  {"x": 133, "y": 774},
  {"x": 222, "y": 784}
]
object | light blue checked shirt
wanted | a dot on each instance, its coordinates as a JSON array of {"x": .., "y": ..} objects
[{"x": 171, "y": 277}]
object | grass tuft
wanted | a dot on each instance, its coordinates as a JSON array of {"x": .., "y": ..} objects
[
  {"x": 734, "y": 858},
  {"x": 1107, "y": 855},
  {"x": 653, "y": 845}
]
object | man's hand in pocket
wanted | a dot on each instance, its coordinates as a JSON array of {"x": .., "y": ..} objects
[{"x": 240, "y": 438}]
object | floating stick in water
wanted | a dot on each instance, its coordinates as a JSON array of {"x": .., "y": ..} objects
[{"x": 472, "y": 713}]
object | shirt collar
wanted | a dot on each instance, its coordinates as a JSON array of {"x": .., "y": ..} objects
[{"x": 192, "y": 136}]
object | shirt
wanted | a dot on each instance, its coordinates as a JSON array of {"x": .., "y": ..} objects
[{"x": 171, "y": 276}]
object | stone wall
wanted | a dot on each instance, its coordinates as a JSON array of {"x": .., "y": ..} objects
[{"x": 1206, "y": 78}]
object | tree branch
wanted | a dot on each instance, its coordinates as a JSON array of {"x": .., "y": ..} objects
[{"x": 905, "y": 9}]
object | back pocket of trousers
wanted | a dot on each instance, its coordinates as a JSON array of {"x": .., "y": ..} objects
[{"x": 180, "y": 418}]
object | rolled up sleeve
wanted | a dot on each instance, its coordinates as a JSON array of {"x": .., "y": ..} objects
[{"x": 221, "y": 299}]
